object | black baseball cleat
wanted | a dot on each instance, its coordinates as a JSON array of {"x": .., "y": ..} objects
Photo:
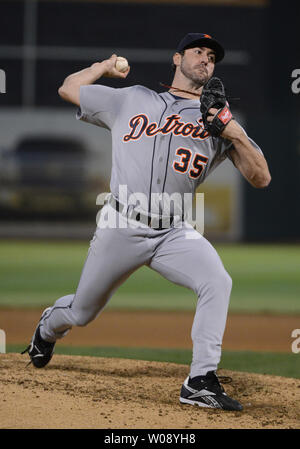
[
  {"x": 39, "y": 350},
  {"x": 206, "y": 391}
]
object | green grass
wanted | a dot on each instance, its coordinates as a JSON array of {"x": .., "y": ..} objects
[
  {"x": 280, "y": 364},
  {"x": 265, "y": 278}
]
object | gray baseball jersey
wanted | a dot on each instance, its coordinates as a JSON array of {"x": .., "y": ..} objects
[{"x": 159, "y": 144}]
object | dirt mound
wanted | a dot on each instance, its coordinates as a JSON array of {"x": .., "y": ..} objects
[{"x": 88, "y": 392}]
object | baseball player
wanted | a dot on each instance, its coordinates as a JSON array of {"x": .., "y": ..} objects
[{"x": 161, "y": 144}]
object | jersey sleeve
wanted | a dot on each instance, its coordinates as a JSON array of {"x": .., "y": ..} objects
[{"x": 100, "y": 105}]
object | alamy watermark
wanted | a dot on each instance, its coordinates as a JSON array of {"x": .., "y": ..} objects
[
  {"x": 296, "y": 343},
  {"x": 2, "y": 82},
  {"x": 296, "y": 83},
  {"x": 2, "y": 342},
  {"x": 160, "y": 210}
]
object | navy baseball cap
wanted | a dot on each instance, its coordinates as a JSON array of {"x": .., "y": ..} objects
[{"x": 202, "y": 40}]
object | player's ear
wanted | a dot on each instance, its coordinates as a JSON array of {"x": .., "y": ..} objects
[{"x": 177, "y": 59}]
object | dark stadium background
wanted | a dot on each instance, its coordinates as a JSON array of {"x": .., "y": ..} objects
[{"x": 38, "y": 43}]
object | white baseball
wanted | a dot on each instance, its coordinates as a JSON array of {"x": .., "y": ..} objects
[{"x": 121, "y": 64}]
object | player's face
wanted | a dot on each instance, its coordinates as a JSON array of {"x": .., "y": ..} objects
[{"x": 197, "y": 64}]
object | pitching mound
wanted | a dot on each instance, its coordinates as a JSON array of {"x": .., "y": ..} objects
[{"x": 88, "y": 392}]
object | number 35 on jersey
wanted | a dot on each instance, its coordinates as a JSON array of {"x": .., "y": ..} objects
[{"x": 194, "y": 166}]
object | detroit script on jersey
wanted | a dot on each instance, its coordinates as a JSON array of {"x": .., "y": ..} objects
[{"x": 175, "y": 124}]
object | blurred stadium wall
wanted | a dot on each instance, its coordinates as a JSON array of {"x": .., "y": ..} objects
[{"x": 52, "y": 167}]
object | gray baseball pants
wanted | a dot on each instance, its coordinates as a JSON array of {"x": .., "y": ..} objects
[{"x": 181, "y": 255}]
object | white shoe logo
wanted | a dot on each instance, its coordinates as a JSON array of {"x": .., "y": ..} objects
[{"x": 202, "y": 393}]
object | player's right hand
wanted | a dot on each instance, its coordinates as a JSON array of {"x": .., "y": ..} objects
[{"x": 110, "y": 71}]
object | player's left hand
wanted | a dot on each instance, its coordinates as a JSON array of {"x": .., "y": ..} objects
[{"x": 212, "y": 112}]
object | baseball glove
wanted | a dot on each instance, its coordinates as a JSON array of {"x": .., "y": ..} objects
[{"x": 213, "y": 96}]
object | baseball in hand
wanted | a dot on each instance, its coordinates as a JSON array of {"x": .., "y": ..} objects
[{"x": 121, "y": 64}]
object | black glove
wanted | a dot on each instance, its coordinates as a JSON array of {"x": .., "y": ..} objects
[{"x": 213, "y": 96}]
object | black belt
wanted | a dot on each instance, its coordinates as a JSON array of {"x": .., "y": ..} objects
[{"x": 146, "y": 219}]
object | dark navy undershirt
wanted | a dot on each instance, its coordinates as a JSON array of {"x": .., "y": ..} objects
[{"x": 179, "y": 98}]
